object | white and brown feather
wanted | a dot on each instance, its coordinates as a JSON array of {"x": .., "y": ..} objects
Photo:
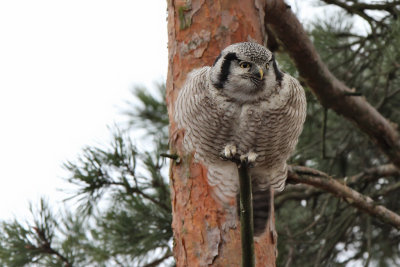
[{"x": 269, "y": 126}]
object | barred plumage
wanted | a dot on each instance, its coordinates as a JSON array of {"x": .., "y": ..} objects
[{"x": 242, "y": 104}]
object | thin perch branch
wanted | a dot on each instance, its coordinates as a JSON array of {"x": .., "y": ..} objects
[{"x": 246, "y": 216}]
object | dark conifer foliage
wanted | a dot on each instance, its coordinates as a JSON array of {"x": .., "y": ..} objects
[
  {"x": 123, "y": 214},
  {"x": 315, "y": 228}
]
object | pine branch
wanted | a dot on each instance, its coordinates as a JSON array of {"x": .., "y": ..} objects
[
  {"x": 157, "y": 262},
  {"x": 323, "y": 181},
  {"x": 330, "y": 91},
  {"x": 152, "y": 113},
  {"x": 372, "y": 174},
  {"x": 21, "y": 245},
  {"x": 359, "y": 8},
  {"x": 304, "y": 191},
  {"x": 351, "y": 9},
  {"x": 45, "y": 247},
  {"x": 135, "y": 190},
  {"x": 387, "y": 190},
  {"x": 115, "y": 167}
]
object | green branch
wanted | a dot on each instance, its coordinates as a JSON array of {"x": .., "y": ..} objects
[{"x": 246, "y": 216}]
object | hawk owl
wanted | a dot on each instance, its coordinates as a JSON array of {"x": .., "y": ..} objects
[{"x": 245, "y": 107}]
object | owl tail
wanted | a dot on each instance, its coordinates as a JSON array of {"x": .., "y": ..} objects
[{"x": 261, "y": 209}]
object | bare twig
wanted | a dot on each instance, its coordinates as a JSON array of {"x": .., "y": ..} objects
[
  {"x": 369, "y": 234},
  {"x": 291, "y": 248},
  {"x": 373, "y": 174},
  {"x": 314, "y": 222},
  {"x": 387, "y": 190}
]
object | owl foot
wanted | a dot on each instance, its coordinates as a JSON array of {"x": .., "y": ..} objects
[
  {"x": 229, "y": 153},
  {"x": 249, "y": 158}
]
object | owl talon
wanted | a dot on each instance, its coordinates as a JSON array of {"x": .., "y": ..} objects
[
  {"x": 249, "y": 158},
  {"x": 229, "y": 152}
]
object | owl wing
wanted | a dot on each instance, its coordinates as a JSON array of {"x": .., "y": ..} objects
[
  {"x": 197, "y": 113},
  {"x": 208, "y": 128},
  {"x": 280, "y": 129},
  {"x": 282, "y": 124}
]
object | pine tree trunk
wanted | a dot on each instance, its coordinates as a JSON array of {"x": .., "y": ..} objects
[{"x": 205, "y": 233}]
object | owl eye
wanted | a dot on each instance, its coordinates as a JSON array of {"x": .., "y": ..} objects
[
  {"x": 267, "y": 66},
  {"x": 245, "y": 65}
]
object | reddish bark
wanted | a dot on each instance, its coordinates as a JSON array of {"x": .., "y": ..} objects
[{"x": 204, "y": 232}]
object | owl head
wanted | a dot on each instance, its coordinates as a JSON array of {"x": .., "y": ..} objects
[{"x": 245, "y": 71}]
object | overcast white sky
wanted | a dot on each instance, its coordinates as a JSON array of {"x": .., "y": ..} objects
[{"x": 66, "y": 68}]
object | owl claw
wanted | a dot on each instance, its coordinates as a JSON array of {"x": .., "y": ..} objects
[
  {"x": 229, "y": 152},
  {"x": 249, "y": 158}
]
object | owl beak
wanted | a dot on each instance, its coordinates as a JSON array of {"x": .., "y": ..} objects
[
  {"x": 261, "y": 73},
  {"x": 257, "y": 73}
]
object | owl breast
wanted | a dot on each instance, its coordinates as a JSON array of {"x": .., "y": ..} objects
[
  {"x": 270, "y": 127},
  {"x": 271, "y": 133},
  {"x": 206, "y": 119}
]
